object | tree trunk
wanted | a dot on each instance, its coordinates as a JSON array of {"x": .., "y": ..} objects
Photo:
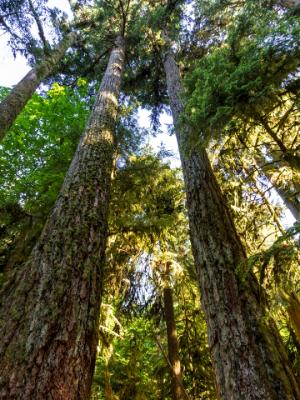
[
  {"x": 173, "y": 346},
  {"x": 248, "y": 361},
  {"x": 288, "y": 196},
  {"x": 291, "y": 202},
  {"x": 50, "y": 306},
  {"x": 16, "y": 100},
  {"x": 294, "y": 314},
  {"x": 108, "y": 392},
  {"x": 290, "y": 156}
]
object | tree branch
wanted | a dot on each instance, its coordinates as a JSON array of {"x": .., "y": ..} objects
[{"x": 40, "y": 26}]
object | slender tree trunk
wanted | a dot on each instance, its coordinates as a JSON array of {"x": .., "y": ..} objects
[
  {"x": 50, "y": 306},
  {"x": 291, "y": 157},
  {"x": 248, "y": 357},
  {"x": 173, "y": 345},
  {"x": 291, "y": 202},
  {"x": 16, "y": 100},
  {"x": 255, "y": 184},
  {"x": 108, "y": 392},
  {"x": 288, "y": 196},
  {"x": 294, "y": 313},
  {"x": 273, "y": 213}
]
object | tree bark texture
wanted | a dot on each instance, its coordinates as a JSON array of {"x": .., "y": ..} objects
[
  {"x": 173, "y": 345},
  {"x": 50, "y": 305},
  {"x": 16, "y": 100},
  {"x": 248, "y": 356}
]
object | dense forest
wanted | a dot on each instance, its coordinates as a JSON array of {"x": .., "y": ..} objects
[{"x": 123, "y": 277}]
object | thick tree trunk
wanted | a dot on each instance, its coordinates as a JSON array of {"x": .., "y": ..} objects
[
  {"x": 50, "y": 306},
  {"x": 173, "y": 345},
  {"x": 248, "y": 357},
  {"x": 15, "y": 101}
]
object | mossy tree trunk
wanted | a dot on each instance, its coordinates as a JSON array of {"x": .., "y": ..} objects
[
  {"x": 50, "y": 305},
  {"x": 16, "y": 100},
  {"x": 248, "y": 357}
]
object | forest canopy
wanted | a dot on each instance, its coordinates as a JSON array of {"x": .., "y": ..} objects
[{"x": 123, "y": 277}]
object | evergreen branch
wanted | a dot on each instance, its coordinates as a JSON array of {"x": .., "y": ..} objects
[
  {"x": 263, "y": 258},
  {"x": 40, "y": 26},
  {"x": 10, "y": 31}
]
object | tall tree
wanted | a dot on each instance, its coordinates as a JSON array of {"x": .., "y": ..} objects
[
  {"x": 25, "y": 23},
  {"x": 248, "y": 359},
  {"x": 50, "y": 336},
  {"x": 15, "y": 101}
]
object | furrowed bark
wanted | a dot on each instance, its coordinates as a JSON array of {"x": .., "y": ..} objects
[
  {"x": 247, "y": 353},
  {"x": 50, "y": 305},
  {"x": 16, "y": 100}
]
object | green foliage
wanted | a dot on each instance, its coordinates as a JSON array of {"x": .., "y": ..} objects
[
  {"x": 145, "y": 77},
  {"x": 37, "y": 151},
  {"x": 147, "y": 203},
  {"x": 35, "y": 156},
  {"x": 153, "y": 194},
  {"x": 135, "y": 365},
  {"x": 241, "y": 101},
  {"x": 249, "y": 70},
  {"x": 244, "y": 77},
  {"x": 282, "y": 252},
  {"x": 131, "y": 364}
]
